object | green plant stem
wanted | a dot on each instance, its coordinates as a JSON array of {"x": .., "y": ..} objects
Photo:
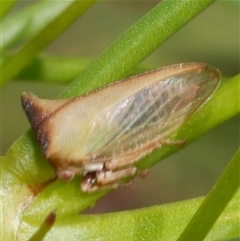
[
  {"x": 214, "y": 204},
  {"x": 24, "y": 55},
  {"x": 136, "y": 44},
  {"x": 28, "y": 21},
  {"x": 163, "y": 222},
  {"x": 54, "y": 69},
  {"x": 44, "y": 228},
  {"x": 59, "y": 69}
]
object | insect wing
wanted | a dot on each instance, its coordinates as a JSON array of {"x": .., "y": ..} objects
[{"x": 155, "y": 111}]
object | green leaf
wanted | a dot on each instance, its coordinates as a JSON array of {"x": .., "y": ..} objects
[
  {"x": 214, "y": 204},
  {"x": 165, "y": 223},
  {"x": 45, "y": 35}
]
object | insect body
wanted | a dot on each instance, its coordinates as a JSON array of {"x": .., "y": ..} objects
[{"x": 101, "y": 135}]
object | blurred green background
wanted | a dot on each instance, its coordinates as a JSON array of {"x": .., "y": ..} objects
[{"x": 212, "y": 37}]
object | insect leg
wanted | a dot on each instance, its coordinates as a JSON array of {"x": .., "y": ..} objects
[
  {"x": 102, "y": 180},
  {"x": 108, "y": 177}
]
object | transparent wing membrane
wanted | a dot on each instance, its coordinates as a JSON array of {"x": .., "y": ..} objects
[{"x": 155, "y": 111}]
